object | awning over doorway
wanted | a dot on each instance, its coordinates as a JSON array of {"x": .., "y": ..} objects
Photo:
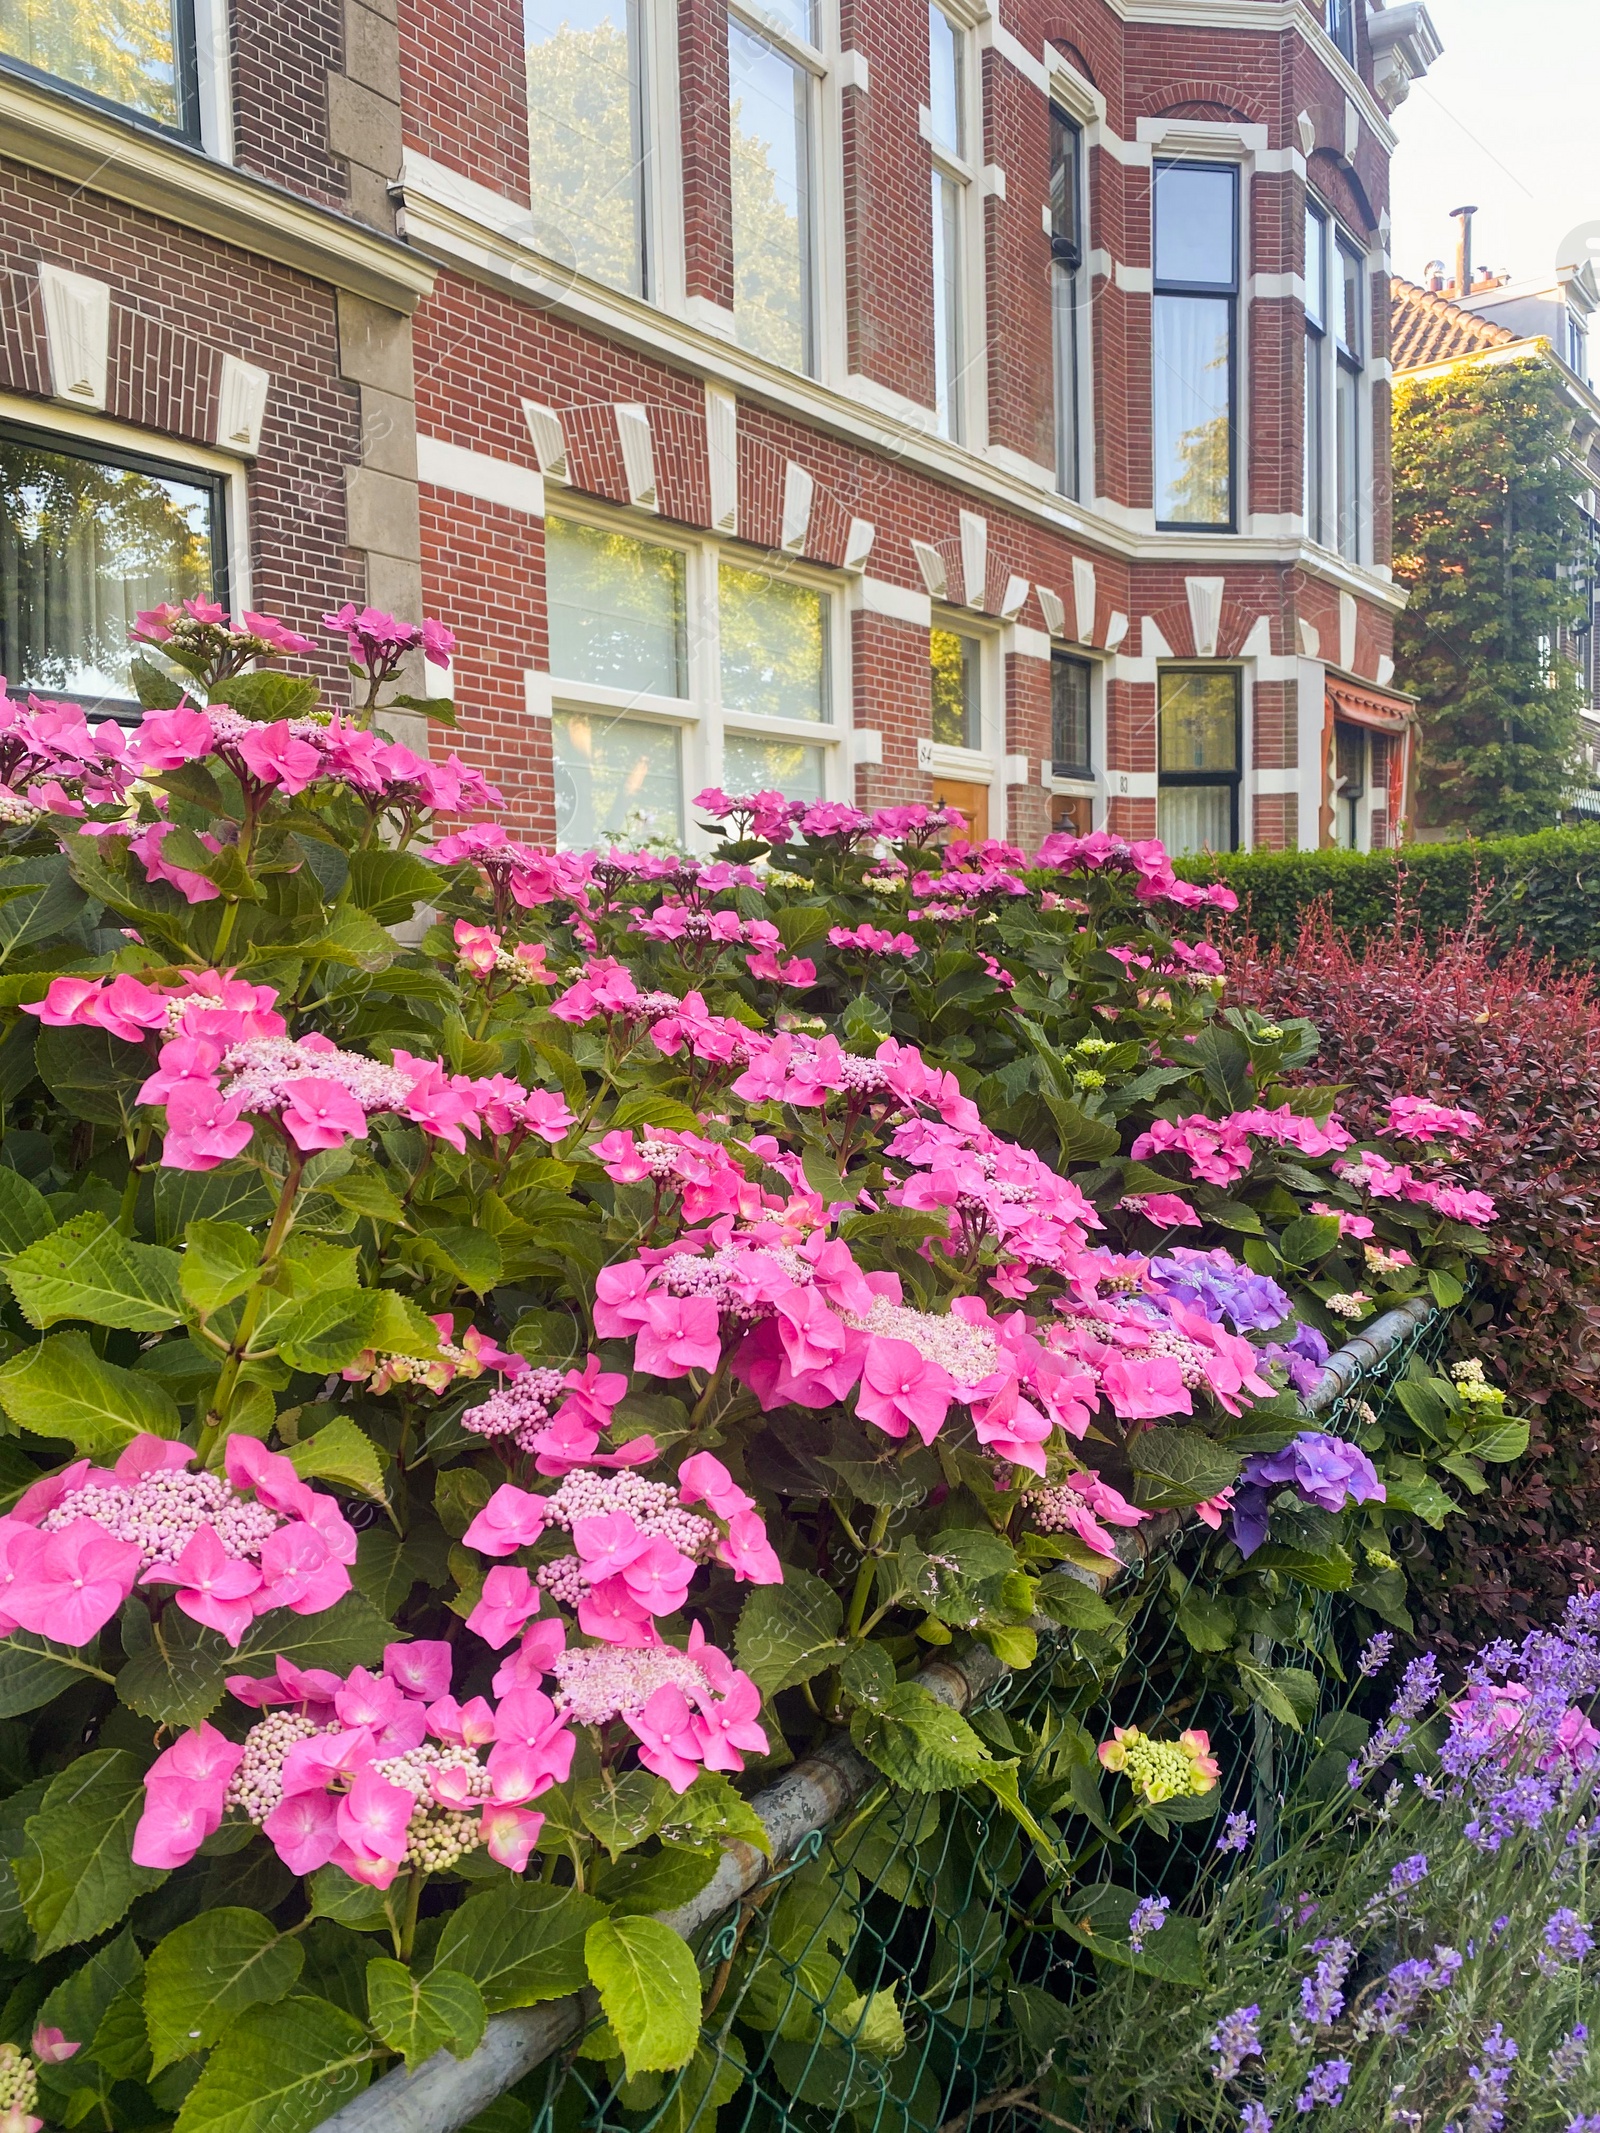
[{"x": 1370, "y": 707}]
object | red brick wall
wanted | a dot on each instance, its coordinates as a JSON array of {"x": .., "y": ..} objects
[
  {"x": 465, "y": 96},
  {"x": 1021, "y": 357},
  {"x": 282, "y": 53},
  {"x": 889, "y": 313},
  {"x": 707, "y": 199}
]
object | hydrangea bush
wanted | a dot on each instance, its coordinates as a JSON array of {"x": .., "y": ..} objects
[{"x": 504, "y": 1346}]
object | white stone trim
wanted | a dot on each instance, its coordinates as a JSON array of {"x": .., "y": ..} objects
[
  {"x": 77, "y": 324},
  {"x": 492, "y": 481}
]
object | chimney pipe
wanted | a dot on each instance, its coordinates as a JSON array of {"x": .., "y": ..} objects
[{"x": 1463, "y": 216}]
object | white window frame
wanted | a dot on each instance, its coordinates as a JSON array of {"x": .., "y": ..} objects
[
  {"x": 699, "y": 717},
  {"x": 812, "y": 62},
  {"x": 1331, "y": 358},
  {"x": 79, "y": 428},
  {"x": 1080, "y": 101},
  {"x": 985, "y": 764},
  {"x": 213, "y": 57},
  {"x": 968, "y": 400}
]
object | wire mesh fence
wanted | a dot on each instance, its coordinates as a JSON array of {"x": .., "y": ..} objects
[{"x": 869, "y": 1984}]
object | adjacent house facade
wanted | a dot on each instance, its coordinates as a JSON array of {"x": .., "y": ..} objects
[{"x": 874, "y": 399}]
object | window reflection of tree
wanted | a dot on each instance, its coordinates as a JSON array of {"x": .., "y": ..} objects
[
  {"x": 83, "y": 547},
  {"x": 119, "y": 49},
  {"x": 585, "y": 181},
  {"x": 769, "y": 233}
]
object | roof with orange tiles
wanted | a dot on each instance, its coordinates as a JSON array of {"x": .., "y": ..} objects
[{"x": 1427, "y": 328}]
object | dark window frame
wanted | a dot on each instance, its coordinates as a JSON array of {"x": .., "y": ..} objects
[
  {"x": 1060, "y": 766},
  {"x": 134, "y": 461},
  {"x": 186, "y": 72},
  {"x": 1066, "y": 264},
  {"x": 1234, "y": 778},
  {"x": 1339, "y": 20},
  {"x": 1213, "y": 292}
]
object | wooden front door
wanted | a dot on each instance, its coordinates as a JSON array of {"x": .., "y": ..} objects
[{"x": 973, "y": 801}]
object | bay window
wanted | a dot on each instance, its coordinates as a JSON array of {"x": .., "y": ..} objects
[
  {"x": 1316, "y": 481},
  {"x": 89, "y": 538},
  {"x": 590, "y": 156},
  {"x": 137, "y": 56},
  {"x": 1066, "y": 292},
  {"x": 1335, "y": 362},
  {"x": 1197, "y": 794},
  {"x": 1195, "y": 326},
  {"x": 771, "y": 69}
]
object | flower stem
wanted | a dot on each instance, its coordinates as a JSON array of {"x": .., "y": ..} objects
[
  {"x": 864, "y": 1576},
  {"x": 228, "y": 1377},
  {"x": 405, "y": 1938}
]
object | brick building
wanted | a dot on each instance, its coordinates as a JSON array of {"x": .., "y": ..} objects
[{"x": 877, "y": 399}]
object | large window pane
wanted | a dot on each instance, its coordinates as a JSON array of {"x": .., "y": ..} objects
[
  {"x": 1316, "y": 268},
  {"x": 1066, "y": 253},
  {"x": 616, "y": 609},
  {"x": 1069, "y": 716},
  {"x": 615, "y": 777},
  {"x": 127, "y": 51},
  {"x": 1315, "y": 482},
  {"x": 1351, "y": 276},
  {"x": 789, "y": 767},
  {"x": 1347, "y": 420},
  {"x": 769, "y": 105},
  {"x": 774, "y": 646},
  {"x": 1199, "y": 722},
  {"x": 1196, "y": 218},
  {"x": 1193, "y": 389},
  {"x": 85, "y": 544},
  {"x": 586, "y": 112},
  {"x": 957, "y": 698},
  {"x": 947, "y": 336},
  {"x": 944, "y": 82},
  {"x": 1195, "y": 818}
]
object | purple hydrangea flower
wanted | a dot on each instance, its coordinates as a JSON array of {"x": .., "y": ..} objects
[
  {"x": 1304, "y": 1356},
  {"x": 1217, "y": 1285},
  {"x": 1324, "y": 1471}
]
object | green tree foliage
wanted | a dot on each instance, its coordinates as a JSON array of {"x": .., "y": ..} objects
[{"x": 1486, "y": 529}]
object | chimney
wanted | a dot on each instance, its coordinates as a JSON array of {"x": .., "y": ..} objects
[
  {"x": 1463, "y": 216},
  {"x": 1433, "y": 277}
]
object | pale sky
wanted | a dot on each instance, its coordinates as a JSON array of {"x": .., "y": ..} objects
[{"x": 1508, "y": 120}]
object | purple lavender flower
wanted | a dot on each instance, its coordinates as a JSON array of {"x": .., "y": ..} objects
[
  {"x": 1376, "y": 1653},
  {"x": 1419, "y": 1686},
  {"x": 1566, "y": 1936},
  {"x": 1149, "y": 1917},
  {"x": 1235, "y": 2039},
  {"x": 1237, "y": 1831},
  {"x": 1327, "y": 2084},
  {"x": 1390, "y": 2011},
  {"x": 1254, "y": 2119},
  {"x": 1322, "y": 1994},
  {"x": 1589, "y": 2122},
  {"x": 1486, "y": 2112},
  {"x": 1571, "y": 2056},
  {"x": 1408, "y": 1873},
  {"x": 1217, "y": 1285}
]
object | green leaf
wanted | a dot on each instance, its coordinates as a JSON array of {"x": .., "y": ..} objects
[
  {"x": 867, "y": 1674},
  {"x": 1223, "y": 1058},
  {"x": 32, "y": 1670},
  {"x": 349, "y": 1633},
  {"x": 219, "y": 1264},
  {"x": 1099, "y": 1916},
  {"x": 175, "y": 1676},
  {"x": 343, "y": 1454},
  {"x": 649, "y": 1991},
  {"x": 86, "y": 1270},
  {"x": 520, "y": 1942},
  {"x": 364, "y": 1192},
  {"x": 348, "y": 1903},
  {"x": 822, "y": 1175},
  {"x": 75, "y": 1874},
  {"x": 328, "y": 1331},
  {"x": 79, "y": 2006},
  {"x": 268, "y": 695},
  {"x": 391, "y": 884},
  {"x": 1287, "y": 1693},
  {"x": 1447, "y": 1291},
  {"x": 61, "y": 1388},
  {"x": 418, "y": 2016},
  {"x": 1410, "y": 1487},
  {"x": 1309, "y": 1239},
  {"x": 787, "y": 1633},
  {"x": 647, "y": 1107},
  {"x": 226, "y": 868},
  {"x": 91, "y": 1074},
  {"x": 209, "y": 1971},
  {"x": 472, "y": 1256},
  {"x": 661, "y": 1881},
  {"x": 1178, "y": 1468},
  {"x": 713, "y": 1808},
  {"x": 1207, "y": 1623},
  {"x": 1498, "y": 1443},
  {"x": 918, "y": 1742},
  {"x": 622, "y": 1811},
  {"x": 386, "y": 1567},
  {"x": 25, "y": 1214},
  {"x": 285, "y": 2069},
  {"x": 713, "y": 2077},
  {"x": 153, "y": 685}
]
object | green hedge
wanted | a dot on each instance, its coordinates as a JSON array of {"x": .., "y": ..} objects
[{"x": 1545, "y": 888}]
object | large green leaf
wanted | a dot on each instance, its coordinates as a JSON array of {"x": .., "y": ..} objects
[
  {"x": 91, "y": 1074},
  {"x": 649, "y": 1991},
  {"x": 1178, "y": 1468},
  {"x": 32, "y": 1670},
  {"x": 520, "y": 1942},
  {"x": 918, "y": 1742},
  {"x": 622, "y": 1812},
  {"x": 86, "y": 1270},
  {"x": 789, "y": 1632},
  {"x": 210, "y": 1970},
  {"x": 61, "y": 1388},
  {"x": 219, "y": 1263},
  {"x": 657, "y": 1881},
  {"x": 1100, "y": 1917},
  {"x": 390, "y": 884},
  {"x": 329, "y": 1330},
  {"x": 712, "y": 2078},
  {"x": 268, "y": 695},
  {"x": 75, "y": 1874},
  {"x": 25, "y": 1214},
  {"x": 418, "y": 2016},
  {"x": 349, "y": 1633},
  {"x": 177, "y": 1678},
  {"x": 341, "y": 1453},
  {"x": 283, "y": 2069},
  {"x": 79, "y": 2006}
]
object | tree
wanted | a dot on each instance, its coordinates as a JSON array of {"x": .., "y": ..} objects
[{"x": 1488, "y": 541}]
